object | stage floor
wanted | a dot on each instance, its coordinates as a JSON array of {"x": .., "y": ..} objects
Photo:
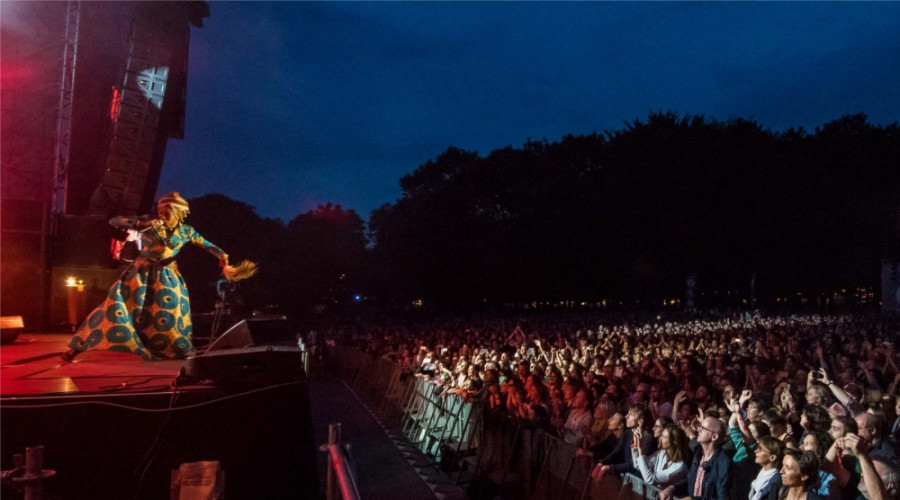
[{"x": 32, "y": 367}]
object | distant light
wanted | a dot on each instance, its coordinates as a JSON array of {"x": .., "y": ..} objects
[
  {"x": 357, "y": 298},
  {"x": 71, "y": 281}
]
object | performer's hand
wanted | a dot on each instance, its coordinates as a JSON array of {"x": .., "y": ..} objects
[{"x": 223, "y": 262}]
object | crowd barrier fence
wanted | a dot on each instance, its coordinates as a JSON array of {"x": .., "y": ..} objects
[{"x": 494, "y": 453}]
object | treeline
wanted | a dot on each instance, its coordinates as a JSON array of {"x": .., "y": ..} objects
[{"x": 621, "y": 215}]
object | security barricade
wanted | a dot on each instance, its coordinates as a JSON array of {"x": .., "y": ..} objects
[
  {"x": 348, "y": 360},
  {"x": 563, "y": 474},
  {"x": 494, "y": 453}
]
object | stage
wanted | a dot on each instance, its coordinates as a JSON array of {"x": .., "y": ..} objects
[
  {"x": 32, "y": 367},
  {"x": 114, "y": 426}
]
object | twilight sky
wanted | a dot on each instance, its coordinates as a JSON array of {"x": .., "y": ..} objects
[{"x": 292, "y": 104}]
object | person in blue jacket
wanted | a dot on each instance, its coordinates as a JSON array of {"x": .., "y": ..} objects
[{"x": 710, "y": 476}]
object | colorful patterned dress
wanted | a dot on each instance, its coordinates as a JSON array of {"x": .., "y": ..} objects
[{"x": 147, "y": 311}]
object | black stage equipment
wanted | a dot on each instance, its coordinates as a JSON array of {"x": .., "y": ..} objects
[
  {"x": 256, "y": 332},
  {"x": 248, "y": 366}
]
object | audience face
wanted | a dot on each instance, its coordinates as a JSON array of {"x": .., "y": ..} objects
[
  {"x": 638, "y": 397},
  {"x": 710, "y": 431},
  {"x": 581, "y": 400},
  {"x": 658, "y": 428},
  {"x": 684, "y": 412},
  {"x": 837, "y": 429},
  {"x": 665, "y": 440},
  {"x": 702, "y": 393},
  {"x": 632, "y": 419},
  {"x": 616, "y": 422},
  {"x": 754, "y": 430},
  {"x": 728, "y": 392},
  {"x": 866, "y": 429},
  {"x": 790, "y": 473},
  {"x": 810, "y": 444},
  {"x": 764, "y": 457},
  {"x": 816, "y": 395},
  {"x": 753, "y": 411}
]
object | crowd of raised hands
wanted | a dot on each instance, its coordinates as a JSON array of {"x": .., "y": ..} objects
[{"x": 811, "y": 397}]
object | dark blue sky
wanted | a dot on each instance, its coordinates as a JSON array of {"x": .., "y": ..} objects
[{"x": 292, "y": 104}]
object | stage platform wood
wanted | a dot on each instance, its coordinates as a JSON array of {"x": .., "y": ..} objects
[{"x": 32, "y": 367}]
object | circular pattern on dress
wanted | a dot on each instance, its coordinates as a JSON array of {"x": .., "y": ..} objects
[
  {"x": 119, "y": 334},
  {"x": 167, "y": 278},
  {"x": 142, "y": 318},
  {"x": 163, "y": 321},
  {"x": 182, "y": 347},
  {"x": 182, "y": 287},
  {"x": 184, "y": 326},
  {"x": 166, "y": 299},
  {"x": 114, "y": 294},
  {"x": 158, "y": 342},
  {"x": 96, "y": 318},
  {"x": 185, "y": 305},
  {"x": 116, "y": 313},
  {"x": 138, "y": 295},
  {"x": 125, "y": 291},
  {"x": 93, "y": 338}
]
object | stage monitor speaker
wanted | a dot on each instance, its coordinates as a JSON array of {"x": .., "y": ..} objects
[
  {"x": 256, "y": 332},
  {"x": 10, "y": 326},
  {"x": 249, "y": 366}
]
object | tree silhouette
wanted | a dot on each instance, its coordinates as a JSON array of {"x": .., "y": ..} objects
[{"x": 630, "y": 213}]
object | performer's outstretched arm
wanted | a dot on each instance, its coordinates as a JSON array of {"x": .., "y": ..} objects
[
  {"x": 138, "y": 223},
  {"x": 208, "y": 245}
]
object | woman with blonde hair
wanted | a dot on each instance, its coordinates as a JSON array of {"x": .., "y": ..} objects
[
  {"x": 600, "y": 432},
  {"x": 147, "y": 311}
]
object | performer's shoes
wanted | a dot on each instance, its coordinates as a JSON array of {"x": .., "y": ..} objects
[{"x": 69, "y": 355}]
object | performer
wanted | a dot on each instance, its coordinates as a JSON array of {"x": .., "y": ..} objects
[{"x": 147, "y": 311}]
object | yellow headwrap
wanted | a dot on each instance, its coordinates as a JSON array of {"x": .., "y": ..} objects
[{"x": 174, "y": 202}]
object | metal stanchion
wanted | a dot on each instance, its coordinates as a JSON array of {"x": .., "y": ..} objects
[{"x": 339, "y": 474}]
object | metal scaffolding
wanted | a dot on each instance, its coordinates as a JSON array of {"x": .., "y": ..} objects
[
  {"x": 64, "y": 110},
  {"x": 37, "y": 108}
]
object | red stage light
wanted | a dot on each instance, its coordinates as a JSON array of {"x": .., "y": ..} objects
[
  {"x": 16, "y": 72},
  {"x": 114, "y": 105}
]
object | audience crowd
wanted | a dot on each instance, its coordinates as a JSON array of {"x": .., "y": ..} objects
[{"x": 715, "y": 407}]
